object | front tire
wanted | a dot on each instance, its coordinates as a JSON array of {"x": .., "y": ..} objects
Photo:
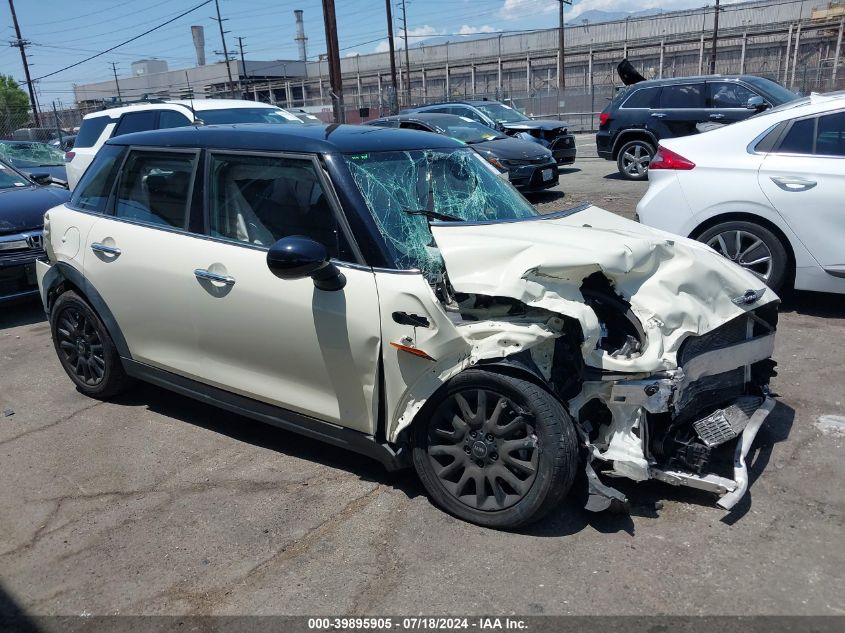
[
  {"x": 85, "y": 349},
  {"x": 752, "y": 246},
  {"x": 495, "y": 450},
  {"x": 633, "y": 159}
]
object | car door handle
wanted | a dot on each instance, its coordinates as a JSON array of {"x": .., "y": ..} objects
[
  {"x": 717, "y": 116},
  {"x": 97, "y": 247},
  {"x": 201, "y": 273},
  {"x": 793, "y": 183},
  {"x": 658, "y": 115}
]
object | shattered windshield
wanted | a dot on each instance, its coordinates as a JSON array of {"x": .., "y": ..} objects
[
  {"x": 404, "y": 190},
  {"x": 501, "y": 113},
  {"x": 22, "y": 154}
]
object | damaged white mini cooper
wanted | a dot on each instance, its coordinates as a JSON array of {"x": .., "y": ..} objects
[{"x": 385, "y": 291}]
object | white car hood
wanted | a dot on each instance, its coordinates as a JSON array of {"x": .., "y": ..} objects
[{"x": 676, "y": 287}]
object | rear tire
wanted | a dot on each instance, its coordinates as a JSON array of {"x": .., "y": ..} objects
[
  {"x": 633, "y": 159},
  {"x": 85, "y": 349},
  {"x": 752, "y": 246},
  {"x": 495, "y": 450}
]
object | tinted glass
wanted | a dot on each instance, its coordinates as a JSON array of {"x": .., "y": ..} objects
[
  {"x": 259, "y": 200},
  {"x": 92, "y": 192},
  {"x": 643, "y": 98},
  {"x": 724, "y": 94},
  {"x": 501, "y": 113},
  {"x": 248, "y": 115},
  {"x": 169, "y": 118},
  {"x": 91, "y": 130},
  {"x": 830, "y": 137},
  {"x": 799, "y": 139},
  {"x": 155, "y": 187},
  {"x": 682, "y": 96},
  {"x": 136, "y": 122},
  {"x": 773, "y": 91}
]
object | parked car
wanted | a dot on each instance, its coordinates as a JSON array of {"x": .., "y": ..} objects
[
  {"x": 640, "y": 116},
  {"x": 37, "y": 134},
  {"x": 529, "y": 167},
  {"x": 22, "y": 206},
  {"x": 549, "y": 133},
  {"x": 306, "y": 117},
  {"x": 65, "y": 143},
  {"x": 31, "y": 158},
  {"x": 386, "y": 291},
  {"x": 98, "y": 127},
  {"x": 766, "y": 193}
]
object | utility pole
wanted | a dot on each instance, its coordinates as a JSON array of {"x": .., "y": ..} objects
[
  {"x": 333, "y": 51},
  {"x": 393, "y": 101},
  {"x": 223, "y": 38},
  {"x": 561, "y": 80},
  {"x": 116, "y": 83},
  {"x": 407, "y": 59},
  {"x": 21, "y": 44},
  {"x": 715, "y": 37},
  {"x": 243, "y": 66}
]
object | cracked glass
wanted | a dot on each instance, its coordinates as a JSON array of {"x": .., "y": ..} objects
[{"x": 405, "y": 190}]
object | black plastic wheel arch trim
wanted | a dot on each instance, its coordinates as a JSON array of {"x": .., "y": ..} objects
[
  {"x": 62, "y": 271},
  {"x": 356, "y": 441}
]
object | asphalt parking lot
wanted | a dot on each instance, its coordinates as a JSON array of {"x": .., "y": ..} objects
[{"x": 156, "y": 504}]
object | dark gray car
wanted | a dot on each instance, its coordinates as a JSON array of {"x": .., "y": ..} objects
[{"x": 529, "y": 166}]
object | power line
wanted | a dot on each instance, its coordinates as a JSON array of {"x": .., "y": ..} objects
[
  {"x": 132, "y": 39},
  {"x": 22, "y": 44}
]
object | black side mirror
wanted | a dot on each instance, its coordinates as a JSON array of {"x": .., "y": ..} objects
[
  {"x": 756, "y": 103},
  {"x": 297, "y": 257},
  {"x": 41, "y": 178}
]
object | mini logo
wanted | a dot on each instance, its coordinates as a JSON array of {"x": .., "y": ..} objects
[
  {"x": 35, "y": 241},
  {"x": 750, "y": 296}
]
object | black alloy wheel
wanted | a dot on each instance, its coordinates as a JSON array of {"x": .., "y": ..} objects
[
  {"x": 85, "y": 349},
  {"x": 494, "y": 449}
]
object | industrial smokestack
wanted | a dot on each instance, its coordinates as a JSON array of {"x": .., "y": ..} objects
[
  {"x": 300, "y": 34},
  {"x": 198, "y": 33}
]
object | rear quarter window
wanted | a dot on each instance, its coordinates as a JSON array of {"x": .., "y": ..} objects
[
  {"x": 642, "y": 98},
  {"x": 91, "y": 130},
  {"x": 92, "y": 192},
  {"x": 136, "y": 122}
]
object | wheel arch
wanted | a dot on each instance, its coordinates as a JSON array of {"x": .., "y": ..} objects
[
  {"x": 633, "y": 135},
  {"x": 63, "y": 277},
  {"x": 754, "y": 219}
]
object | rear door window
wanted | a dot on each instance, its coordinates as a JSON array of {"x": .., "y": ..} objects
[
  {"x": 92, "y": 192},
  {"x": 642, "y": 98},
  {"x": 799, "y": 139},
  {"x": 91, "y": 130},
  {"x": 682, "y": 96},
  {"x": 136, "y": 122},
  {"x": 170, "y": 118},
  {"x": 830, "y": 135},
  {"x": 155, "y": 188}
]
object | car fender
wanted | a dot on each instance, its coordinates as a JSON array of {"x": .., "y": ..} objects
[
  {"x": 731, "y": 209},
  {"x": 62, "y": 272},
  {"x": 627, "y": 135}
]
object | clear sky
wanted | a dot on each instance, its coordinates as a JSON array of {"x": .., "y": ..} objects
[{"x": 65, "y": 31}]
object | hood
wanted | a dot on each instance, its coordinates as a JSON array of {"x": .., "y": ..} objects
[
  {"x": 539, "y": 124},
  {"x": 58, "y": 172},
  {"x": 23, "y": 208},
  {"x": 676, "y": 287},
  {"x": 628, "y": 74},
  {"x": 513, "y": 149}
]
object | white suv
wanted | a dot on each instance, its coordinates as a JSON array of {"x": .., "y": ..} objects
[
  {"x": 98, "y": 127},
  {"x": 386, "y": 291}
]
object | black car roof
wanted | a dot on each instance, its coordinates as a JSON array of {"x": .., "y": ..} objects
[
  {"x": 290, "y": 138},
  {"x": 423, "y": 117}
]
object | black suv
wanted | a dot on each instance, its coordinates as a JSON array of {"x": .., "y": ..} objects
[
  {"x": 549, "y": 133},
  {"x": 642, "y": 114}
]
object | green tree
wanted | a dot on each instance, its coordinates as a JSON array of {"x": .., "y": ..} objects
[{"x": 14, "y": 105}]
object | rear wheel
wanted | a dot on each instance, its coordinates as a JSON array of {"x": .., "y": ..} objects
[
  {"x": 633, "y": 159},
  {"x": 753, "y": 247},
  {"x": 496, "y": 450},
  {"x": 85, "y": 349}
]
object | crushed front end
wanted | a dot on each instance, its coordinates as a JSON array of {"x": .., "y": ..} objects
[{"x": 689, "y": 426}]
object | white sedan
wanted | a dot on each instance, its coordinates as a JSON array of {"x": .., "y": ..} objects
[{"x": 768, "y": 192}]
